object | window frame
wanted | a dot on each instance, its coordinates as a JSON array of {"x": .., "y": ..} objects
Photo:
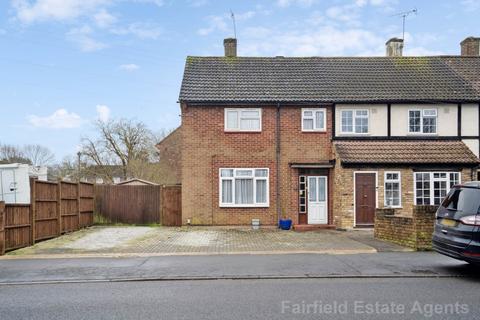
[
  {"x": 354, "y": 121},
  {"x": 432, "y": 181},
  {"x": 399, "y": 181},
  {"x": 254, "y": 178},
  {"x": 239, "y": 118},
  {"x": 422, "y": 116},
  {"x": 314, "y": 118}
]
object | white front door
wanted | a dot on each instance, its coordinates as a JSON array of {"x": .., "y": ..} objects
[{"x": 317, "y": 200}]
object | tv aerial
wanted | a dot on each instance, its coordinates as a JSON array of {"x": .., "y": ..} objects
[{"x": 404, "y": 16}]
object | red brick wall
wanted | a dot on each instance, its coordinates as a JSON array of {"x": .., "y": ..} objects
[{"x": 206, "y": 148}]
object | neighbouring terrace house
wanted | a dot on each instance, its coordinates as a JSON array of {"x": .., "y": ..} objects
[{"x": 325, "y": 140}]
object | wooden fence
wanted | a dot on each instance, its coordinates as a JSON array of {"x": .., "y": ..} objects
[
  {"x": 139, "y": 204},
  {"x": 54, "y": 208}
]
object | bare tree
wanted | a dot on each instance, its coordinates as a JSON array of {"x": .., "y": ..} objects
[
  {"x": 67, "y": 169},
  {"x": 38, "y": 155},
  {"x": 12, "y": 154},
  {"x": 120, "y": 143}
]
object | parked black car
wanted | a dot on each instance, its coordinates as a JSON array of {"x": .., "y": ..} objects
[{"x": 457, "y": 225}]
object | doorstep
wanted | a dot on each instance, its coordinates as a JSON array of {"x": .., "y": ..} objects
[{"x": 313, "y": 227}]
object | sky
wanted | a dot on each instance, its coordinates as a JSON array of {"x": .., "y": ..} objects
[{"x": 66, "y": 63}]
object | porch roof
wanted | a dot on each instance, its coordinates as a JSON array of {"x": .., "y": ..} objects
[{"x": 405, "y": 152}]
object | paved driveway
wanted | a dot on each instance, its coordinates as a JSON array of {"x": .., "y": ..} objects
[{"x": 205, "y": 240}]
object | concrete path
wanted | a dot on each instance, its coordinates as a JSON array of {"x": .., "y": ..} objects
[
  {"x": 392, "y": 264},
  {"x": 158, "y": 241}
]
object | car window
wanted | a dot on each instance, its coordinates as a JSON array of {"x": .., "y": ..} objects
[{"x": 463, "y": 199}]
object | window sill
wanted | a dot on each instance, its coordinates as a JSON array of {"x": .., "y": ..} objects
[
  {"x": 314, "y": 131},
  {"x": 353, "y": 134},
  {"x": 420, "y": 134},
  {"x": 244, "y": 206},
  {"x": 242, "y": 131}
]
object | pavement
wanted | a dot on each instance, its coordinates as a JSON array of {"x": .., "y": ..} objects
[
  {"x": 159, "y": 241},
  {"x": 203, "y": 267}
]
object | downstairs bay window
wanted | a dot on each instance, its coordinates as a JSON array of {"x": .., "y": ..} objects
[
  {"x": 244, "y": 187},
  {"x": 432, "y": 187}
]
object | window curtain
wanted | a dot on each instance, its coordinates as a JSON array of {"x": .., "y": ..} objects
[
  {"x": 244, "y": 191},
  {"x": 261, "y": 191},
  {"x": 227, "y": 191}
]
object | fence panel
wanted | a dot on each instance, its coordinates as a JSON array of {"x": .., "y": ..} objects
[
  {"x": 129, "y": 204},
  {"x": 2, "y": 228},
  {"x": 87, "y": 195},
  {"x": 18, "y": 226},
  {"x": 46, "y": 215},
  {"x": 69, "y": 206},
  {"x": 172, "y": 206}
]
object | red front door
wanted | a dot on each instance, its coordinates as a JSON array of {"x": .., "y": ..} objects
[{"x": 365, "y": 199}]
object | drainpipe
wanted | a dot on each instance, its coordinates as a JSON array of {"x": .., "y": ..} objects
[{"x": 277, "y": 162}]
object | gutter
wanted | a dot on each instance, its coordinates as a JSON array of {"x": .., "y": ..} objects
[{"x": 277, "y": 162}]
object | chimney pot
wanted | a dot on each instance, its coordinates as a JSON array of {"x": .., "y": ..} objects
[
  {"x": 394, "y": 47},
  {"x": 470, "y": 46},
  {"x": 230, "y": 45}
]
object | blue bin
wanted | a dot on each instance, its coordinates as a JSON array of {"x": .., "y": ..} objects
[{"x": 285, "y": 224}]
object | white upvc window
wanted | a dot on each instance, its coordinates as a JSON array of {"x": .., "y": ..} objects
[
  {"x": 393, "y": 189},
  {"x": 355, "y": 121},
  {"x": 432, "y": 187},
  {"x": 422, "y": 121},
  {"x": 249, "y": 119},
  {"x": 244, "y": 187},
  {"x": 314, "y": 119}
]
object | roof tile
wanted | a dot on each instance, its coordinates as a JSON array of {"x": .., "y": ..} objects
[{"x": 405, "y": 152}]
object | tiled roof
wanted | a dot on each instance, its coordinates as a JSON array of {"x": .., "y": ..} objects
[
  {"x": 405, "y": 152},
  {"x": 339, "y": 79}
]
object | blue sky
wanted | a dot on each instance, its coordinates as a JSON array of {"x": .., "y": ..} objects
[{"x": 66, "y": 63}]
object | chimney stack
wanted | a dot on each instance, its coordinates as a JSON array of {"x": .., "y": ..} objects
[
  {"x": 394, "y": 47},
  {"x": 470, "y": 46},
  {"x": 230, "y": 45}
]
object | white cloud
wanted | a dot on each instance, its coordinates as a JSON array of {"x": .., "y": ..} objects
[
  {"x": 129, "y": 67},
  {"x": 198, "y": 3},
  {"x": 141, "y": 30},
  {"x": 471, "y": 5},
  {"x": 222, "y": 23},
  {"x": 103, "y": 113},
  {"x": 83, "y": 38},
  {"x": 42, "y": 10},
  {"x": 215, "y": 23},
  {"x": 302, "y": 3},
  {"x": 322, "y": 40},
  {"x": 159, "y": 3},
  {"x": 60, "y": 119},
  {"x": 347, "y": 14},
  {"x": 104, "y": 19}
]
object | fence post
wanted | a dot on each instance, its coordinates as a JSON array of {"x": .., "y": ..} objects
[
  {"x": 78, "y": 204},
  {"x": 2, "y": 228},
  {"x": 59, "y": 207},
  {"x": 33, "y": 198}
]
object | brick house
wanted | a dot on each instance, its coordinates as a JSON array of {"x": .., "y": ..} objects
[{"x": 325, "y": 141}]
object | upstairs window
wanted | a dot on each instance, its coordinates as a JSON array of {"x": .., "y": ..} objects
[
  {"x": 314, "y": 120},
  {"x": 244, "y": 187},
  {"x": 422, "y": 121},
  {"x": 243, "y": 119},
  {"x": 354, "y": 121}
]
